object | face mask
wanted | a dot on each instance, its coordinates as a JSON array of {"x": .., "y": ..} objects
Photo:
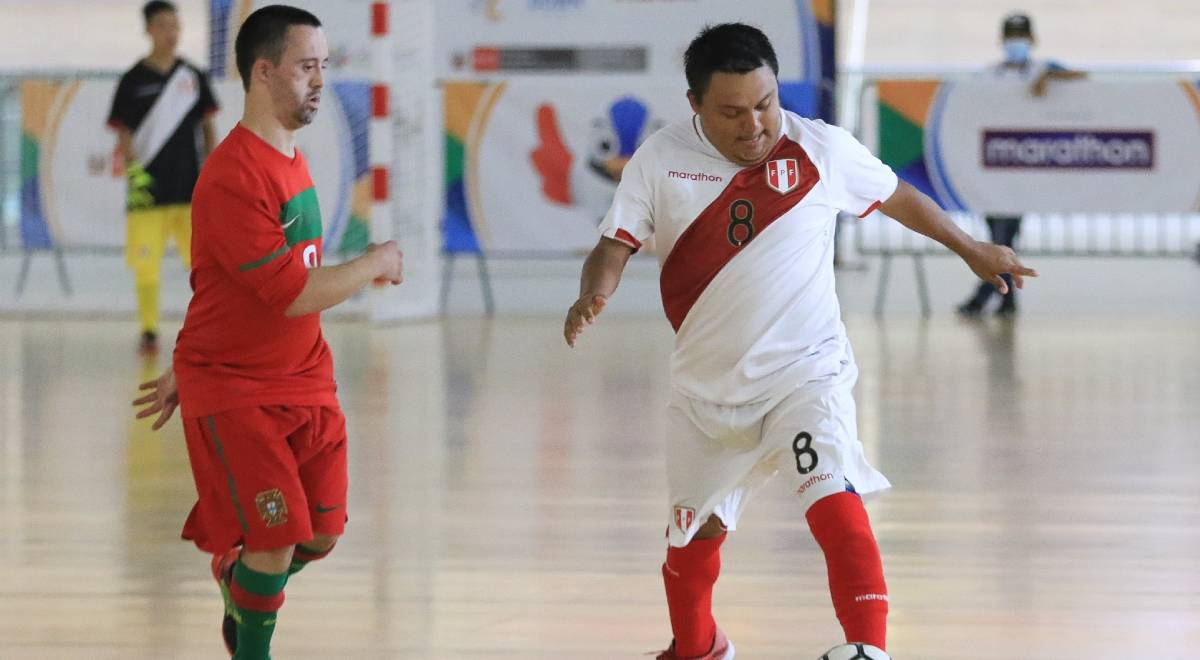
[{"x": 1017, "y": 50}]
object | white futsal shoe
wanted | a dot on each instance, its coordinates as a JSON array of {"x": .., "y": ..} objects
[{"x": 722, "y": 649}]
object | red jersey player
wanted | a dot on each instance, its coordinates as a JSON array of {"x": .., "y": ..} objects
[
  {"x": 742, "y": 199},
  {"x": 252, "y": 373}
]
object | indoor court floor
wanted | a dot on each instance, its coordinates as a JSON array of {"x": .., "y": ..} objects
[{"x": 508, "y": 498}]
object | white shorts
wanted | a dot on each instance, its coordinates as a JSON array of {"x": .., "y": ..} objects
[{"x": 718, "y": 457}]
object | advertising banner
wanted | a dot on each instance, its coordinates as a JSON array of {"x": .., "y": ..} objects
[{"x": 991, "y": 147}]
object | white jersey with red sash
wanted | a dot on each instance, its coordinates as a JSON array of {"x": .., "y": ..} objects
[{"x": 747, "y": 252}]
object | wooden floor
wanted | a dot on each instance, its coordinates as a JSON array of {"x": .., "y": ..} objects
[{"x": 507, "y": 497}]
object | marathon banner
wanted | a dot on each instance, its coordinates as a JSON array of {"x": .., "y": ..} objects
[
  {"x": 73, "y": 190},
  {"x": 542, "y": 108},
  {"x": 991, "y": 147}
]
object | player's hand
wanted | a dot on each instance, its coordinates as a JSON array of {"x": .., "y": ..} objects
[
  {"x": 990, "y": 261},
  {"x": 1038, "y": 88},
  {"x": 163, "y": 398},
  {"x": 582, "y": 314},
  {"x": 389, "y": 261}
]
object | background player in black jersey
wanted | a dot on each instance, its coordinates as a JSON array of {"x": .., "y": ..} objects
[{"x": 162, "y": 109}]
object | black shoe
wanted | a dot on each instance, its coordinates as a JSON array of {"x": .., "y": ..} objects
[
  {"x": 148, "y": 345},
  {"x": 1006, "y": 311},
  {"x": 222, "y": 570},
  {"x": 970, "y": 309}
]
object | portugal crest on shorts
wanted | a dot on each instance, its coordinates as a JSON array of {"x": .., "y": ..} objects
[
  {"x": 783, "y": 175},
  {"x": 684, "y": 517},
  {"x": 271, "y": 507}
]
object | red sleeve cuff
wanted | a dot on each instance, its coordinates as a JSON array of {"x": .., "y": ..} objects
[
  {"x": 871, "y": 209},
  {"x": 627, "y": 238}
]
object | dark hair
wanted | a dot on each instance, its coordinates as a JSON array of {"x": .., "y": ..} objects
[
  {"x": 1016, "y": 25},
  {"x": 264, "y": 35},
  {"x": 726, "y": 48},
  {"x": 154, "y": 8}
]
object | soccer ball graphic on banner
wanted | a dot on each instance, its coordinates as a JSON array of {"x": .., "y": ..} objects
[{"x": 855, "y": 652}]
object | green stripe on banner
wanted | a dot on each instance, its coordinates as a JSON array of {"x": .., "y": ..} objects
[
  {"x": 900, "y": 141},
  {"x": 212, "y": 428},
  {"x": 456, "y": 156},
  {"x": 357, "y": 236},
  {"x": 30, "y": 151}
]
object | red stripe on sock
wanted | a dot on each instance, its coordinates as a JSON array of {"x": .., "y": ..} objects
[
  {"x": 843, "y": 530},
  {"x": 689, "y": 575},
  {"x": 254, "y": 602}
]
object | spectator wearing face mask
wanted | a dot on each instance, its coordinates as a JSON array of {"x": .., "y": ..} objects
[{"x": 1016, "y": 34}]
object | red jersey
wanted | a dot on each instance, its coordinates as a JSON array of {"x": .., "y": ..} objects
[{"x": 256, "y": 230}]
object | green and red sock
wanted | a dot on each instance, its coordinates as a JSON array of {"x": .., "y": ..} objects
[
  {"x": 258, "y": 597},
  {"x": 303, "y": 555}
]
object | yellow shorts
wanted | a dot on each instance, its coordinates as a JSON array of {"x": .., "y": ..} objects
[{"x": 147, "y": 231}]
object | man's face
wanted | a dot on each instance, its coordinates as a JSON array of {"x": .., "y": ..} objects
[
  {"x": 740, "y": 114},
  {"x": 1017, "y": 44},
  {"x": 163, "y": 29},
  {"x": 297, "y": 80}
]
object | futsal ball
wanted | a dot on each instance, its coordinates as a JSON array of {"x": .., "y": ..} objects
[{"x": 855, "y": 652}]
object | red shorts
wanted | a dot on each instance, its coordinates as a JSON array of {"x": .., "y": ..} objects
[{"x": 267, "y": 477}]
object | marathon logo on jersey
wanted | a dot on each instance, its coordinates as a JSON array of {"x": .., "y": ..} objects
[
  {"x": 694, "y": 176},
  {"x": 684, "y": 517},
  {"x": 271, "y": 507},
  {"x": 1068, "y": 149},
  {"x": 812, "y": 481},
  {"x": 783, "y": 175}
]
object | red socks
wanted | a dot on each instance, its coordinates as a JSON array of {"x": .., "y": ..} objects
[
  {"x": 689, "y": 575},
  {"x": 842, "y": 529}
]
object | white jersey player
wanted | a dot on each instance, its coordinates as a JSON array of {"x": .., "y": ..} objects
[
  {"x": 747, "y": 283},
  {"x": 741, "y": 201}
]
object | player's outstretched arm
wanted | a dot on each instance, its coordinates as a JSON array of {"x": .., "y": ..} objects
[
  {"x": 601, "y": 275},
  {"x": 913, "y": 209},
  {"x": 1038, "y": 88},
  {"x": 329, "y": 285}
]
